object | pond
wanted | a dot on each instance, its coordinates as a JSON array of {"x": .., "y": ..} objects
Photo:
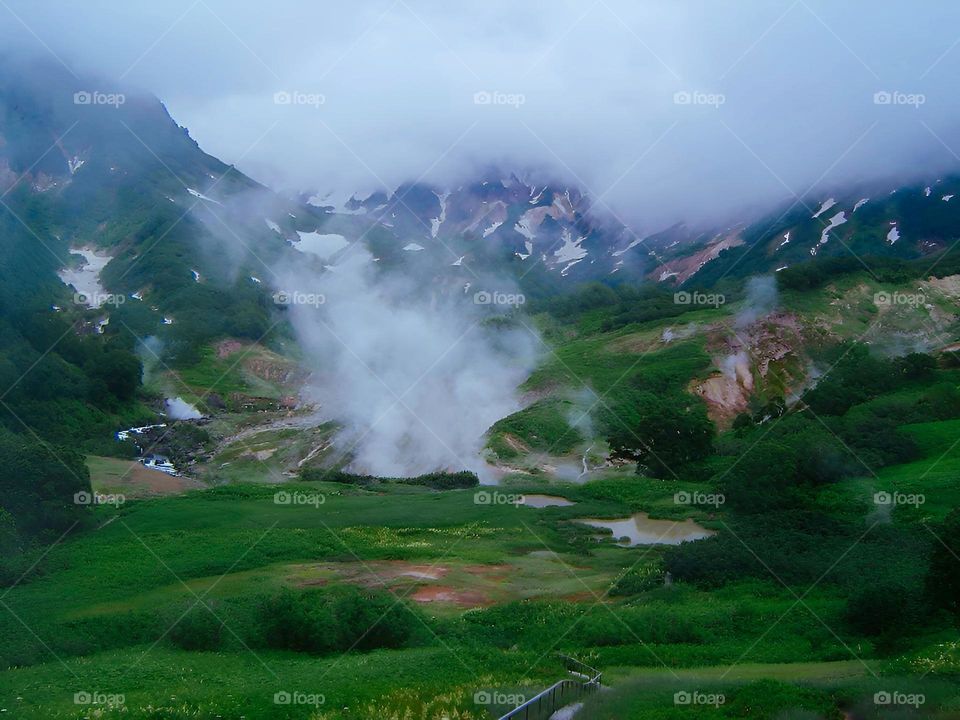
[{"x": 641, "y": 529}]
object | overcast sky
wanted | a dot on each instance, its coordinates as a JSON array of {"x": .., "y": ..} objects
[{"x": 664, "y": 110}]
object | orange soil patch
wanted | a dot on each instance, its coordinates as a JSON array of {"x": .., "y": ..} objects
[
  {"x": 404, "y": 574},
  {"x": 491, "y": 572}
]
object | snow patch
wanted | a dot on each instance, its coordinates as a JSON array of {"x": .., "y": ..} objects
[
  {"x": 563, "y": 272},
  {"x": 198, "y": 194},
  {"x": 836, "y": 221},
  {"x": 529, "y": 248},
  {"x": 631, "y": 246},
  {"x": 571, "y": 249},
  {"x": 893, "y": 235},
  {"x": 413, "y": 247},
  {"x": 860, "y": 203},
  {"x": 436, "y": 222},
  {"x": 125, "y": 434},
  {"x": 523, "y": 227},
  {"x": 323, "y": 246},
  {"x": 827, "y": 204},
  {"x": 492, "y": 229},
  {"x": 85, "y": 279}
]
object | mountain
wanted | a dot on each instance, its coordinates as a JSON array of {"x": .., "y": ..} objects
[
  {"x": 105, "y": 180},
  {"x": 554, "y": 236},
  {"x": 545, "y": 233},
  {"x": 916, "y": 222}
]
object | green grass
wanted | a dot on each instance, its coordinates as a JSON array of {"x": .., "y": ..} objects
[
  {"x": 543, "y": 426},
  {"x": 231, "y": 374},
  {"x": 163, "y": 683},
  {"x": 795, "y": 690},
  {"x": 936, "y": 476},
  {"x": 591, "y": 361},
  {"x": 513, "y": 584},
  {"x": 106, "y": 595},
  {"x": 270, "y": 455}
]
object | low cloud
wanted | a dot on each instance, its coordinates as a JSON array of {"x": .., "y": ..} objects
[{"x": 662, "y": 110}]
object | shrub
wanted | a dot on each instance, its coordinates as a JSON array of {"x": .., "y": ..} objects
[
  {"x": 637, "y": 580},
  {"x": 197, "y": 628},
  {"x": 340, "y": 619}
]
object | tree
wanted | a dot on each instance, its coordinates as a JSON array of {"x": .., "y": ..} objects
[
  {"x": 943, "y": 578},
  {"x": 662, "y": 433},
  {"x": 763, "y": 479},
  {"x": 38, "y": 483}
]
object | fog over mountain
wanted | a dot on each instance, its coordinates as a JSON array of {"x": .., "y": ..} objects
[{"x": 660, "y": 110}]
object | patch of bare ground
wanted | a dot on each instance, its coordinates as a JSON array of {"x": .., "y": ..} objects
[
  {"x": 430, "y": 583},
  {"x": 682, "y": 269},
  {"x": 515, "y": 443},
  {"x": 747, "y": 357},
  {"x": 134, "y": 480},
  {"x": 226, "y": 348},
  {"x": 439, "y": 593}
]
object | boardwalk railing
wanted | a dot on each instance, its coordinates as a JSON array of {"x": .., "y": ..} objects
[{"x": 558, "y": 695}]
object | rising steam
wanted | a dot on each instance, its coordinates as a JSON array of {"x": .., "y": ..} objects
[{"x": 415, "y": 372}]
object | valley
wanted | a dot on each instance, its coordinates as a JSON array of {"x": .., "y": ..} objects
[
  {"x": 339, "y": 446},
  {"x": 474, "y": 580}
]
